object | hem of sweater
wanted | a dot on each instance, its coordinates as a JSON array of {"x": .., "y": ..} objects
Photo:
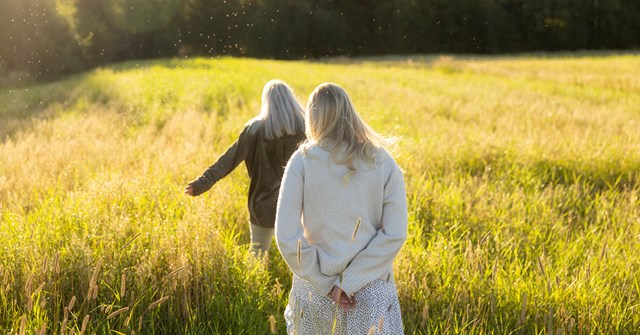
[
  {"x": 331, "y": 266},
  {"x": 354, "y": 283},
  {"x": 322, "y": 285}
]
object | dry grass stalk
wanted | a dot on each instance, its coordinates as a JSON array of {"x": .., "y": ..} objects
[
  {"x": 5, "y": 280},
  {"x": 158, "y": 302},
  {"x": 355, "y": 230},
  {"x": 381, "y": 323},
  {"x": 43, "y": 330},
  {"x": 38, "y": 289},
  {"x": 588, "y": 274},
  {"x": 544, "y": 274},
  {"x": 572, "y": 323},
  {"x": 119, "y": 311},
  {"x": 603, "y": 252},
  {"x": 65, "y": 319},
  {"x": 523, "y": 312},
  {"x": 85, "y": 323},
  {"x": 123, "y": 285},
  {"x": 27, "y": 286},
  {"x": 548, "y": 321},
  {"x": 493, "y": 303},
  {"x": 372, "y": 330},
  {"x": 425, "y": 315},
  {"x": 272, "y": 324},
  {"x": 27, "y": 289},
  {"x": 278, "y": 288},
  {"x": 176, "y": 271},
  {"x": 72, "y": 302},
  {"x": 495, "y": 269},
  {"x": 29, "y": 303},
  {"x": 57, "y": 263},
  {"x": 580, "y": 327},
  {"x": 129, "y": 242},
  {"x": 299, "y": 255},
  {"x": 23, "y": 324},
  {"x": 93, "y": 280},
  {"x": 94, "y": 296}
]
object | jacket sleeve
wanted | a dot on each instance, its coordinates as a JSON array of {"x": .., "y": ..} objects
[
  {"x": 301, "y": 257},
  {"x": 372, "y": 262},
  {"x": 235, "y": 155}
]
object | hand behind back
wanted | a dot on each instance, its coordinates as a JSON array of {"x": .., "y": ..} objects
[{"x": 340, "y": 297}]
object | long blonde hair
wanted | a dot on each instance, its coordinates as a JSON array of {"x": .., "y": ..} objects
[
  {"x": 281, "y": 114},
  {"x": 333, "y": 124}
]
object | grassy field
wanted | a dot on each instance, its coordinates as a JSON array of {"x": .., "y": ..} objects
[{"x": 523, "y": 179}]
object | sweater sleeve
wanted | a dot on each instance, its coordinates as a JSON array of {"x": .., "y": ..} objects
[
  {"x": 226, "y": 163},
  {"x": 374, "y": 260},
  {"x": 301, "y": 257}
]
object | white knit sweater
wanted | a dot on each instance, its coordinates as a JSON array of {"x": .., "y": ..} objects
[{"x": 318, "y": 212}]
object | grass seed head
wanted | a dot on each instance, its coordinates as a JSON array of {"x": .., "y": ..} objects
[
  {"x": 23, "y": 324},
  {"x": 372, "y": 330},
  {"x": 123, "y": 285},
  {"x": 299, "y": 252},
  {"x": 425, "y": 315},
  {"x": 158, "y": 302},
  {"x": 272, "y": 324},
  {"x": 85, "y": 323},
  {"x": 94, "y": 294},
  {"x": 116, "y": 313},
  {"x": 355, "y": 230},
  {"x": 43, "y": 329},
  {"x": 71, "y": 303}
]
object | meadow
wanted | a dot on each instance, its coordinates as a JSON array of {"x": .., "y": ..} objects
[{"x": 522, "y": 175}]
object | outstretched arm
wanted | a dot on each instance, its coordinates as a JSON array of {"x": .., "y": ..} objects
[{"x": 235, "y": 155}]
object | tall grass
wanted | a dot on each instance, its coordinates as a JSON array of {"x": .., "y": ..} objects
[{"x": 522, "y": 176}]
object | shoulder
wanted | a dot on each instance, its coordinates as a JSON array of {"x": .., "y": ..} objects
[
  {"x": 296, "y": 160},
  {"x": 308, "y": 150},
  {"x": 251, "y": 131},
  {"x": 383, "y": 158},
  {"x": 252, "y": 126},
  {"x": 386, "y": 163}
]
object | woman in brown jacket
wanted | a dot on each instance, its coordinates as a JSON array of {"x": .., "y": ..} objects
[{"x": 265, "y": 145}]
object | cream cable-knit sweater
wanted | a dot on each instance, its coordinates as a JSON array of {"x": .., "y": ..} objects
[{"x": 318, "y": 213}]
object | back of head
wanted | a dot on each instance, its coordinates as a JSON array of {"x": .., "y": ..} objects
[
  {"x": 281, "y": 114},
  {"x": 332, "y": 123}
]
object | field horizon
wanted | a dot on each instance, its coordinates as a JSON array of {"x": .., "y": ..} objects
[{"x": 522, "y": 175}]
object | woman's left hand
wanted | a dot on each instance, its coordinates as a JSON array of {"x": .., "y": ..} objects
[{"x": 189, "y": 190}]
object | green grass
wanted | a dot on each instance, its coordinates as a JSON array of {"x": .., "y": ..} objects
[{"x": 522, "y": 173}]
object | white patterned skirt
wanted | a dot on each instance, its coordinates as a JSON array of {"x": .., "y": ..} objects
[{"x": 377, "y": 311}]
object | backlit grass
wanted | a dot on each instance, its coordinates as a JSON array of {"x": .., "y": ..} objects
[{"x": 522, "y": 173}]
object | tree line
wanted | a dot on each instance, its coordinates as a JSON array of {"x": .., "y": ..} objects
[{"x": 41, "y": 38}]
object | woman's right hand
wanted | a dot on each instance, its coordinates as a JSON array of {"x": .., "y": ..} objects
[{"x": 340, "y": 297}]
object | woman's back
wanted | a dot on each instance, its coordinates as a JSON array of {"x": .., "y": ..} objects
[
  {"x": 264, "y": 145},
  {"x": 265, "y": 164},
  {"x": 341, "y": 220}
]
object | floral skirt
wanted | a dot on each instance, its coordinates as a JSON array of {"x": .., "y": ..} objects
[{"x": 377, "y": 311}]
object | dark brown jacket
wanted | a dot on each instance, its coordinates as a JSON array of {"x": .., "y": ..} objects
[{"x": 265, "y": 160}]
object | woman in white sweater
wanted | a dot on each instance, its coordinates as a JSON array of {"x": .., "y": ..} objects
[{"x": 340, "y": 222}]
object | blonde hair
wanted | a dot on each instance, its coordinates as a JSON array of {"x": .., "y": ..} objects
[
  {"x": 281, "y": 114},
  {"x": 333, "y": 124}
]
